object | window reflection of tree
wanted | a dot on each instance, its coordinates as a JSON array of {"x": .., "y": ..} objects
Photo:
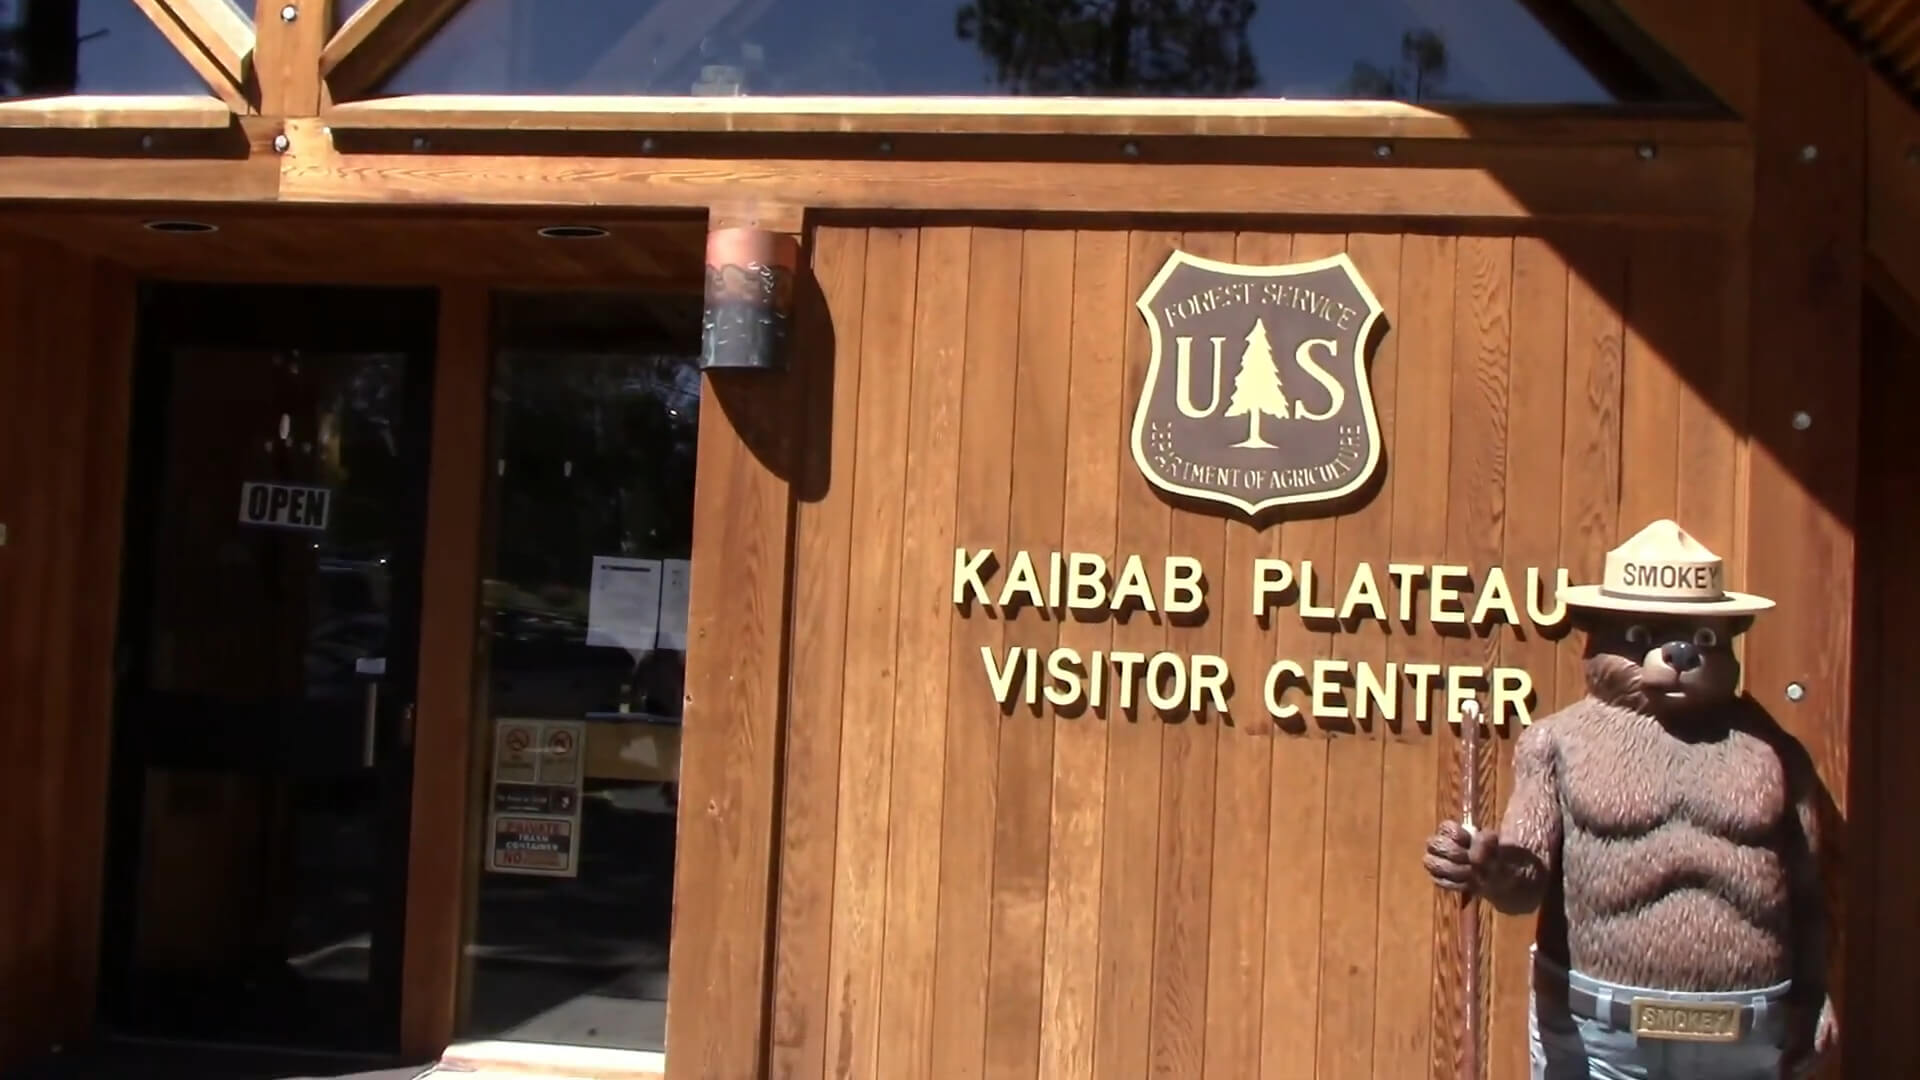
[
  {"x": 1161, "y": 48},
  {"x": 599, "y": 460},
  {"x": 357, "y": 454},
  {"x": 353, "y": 451},
  {"x": 40, "y": 46},
  {"x": 1419, "y": 75}
]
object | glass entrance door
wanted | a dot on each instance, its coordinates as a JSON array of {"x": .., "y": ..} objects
[{"x": 270, "y": 626}]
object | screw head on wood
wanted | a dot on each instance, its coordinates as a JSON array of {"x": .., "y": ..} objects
[
  {"x": 1130, "y": 148},
  {"x": 1383, "y": 150},
  {"x": 1802, "y": 421},
  {"x": 647, "y": 145},
  {"x": 146, "y": 142},
  {"x": 1809, "y": 152},
  {"x": 886, "y": 146},
  {"x": 1647, "y": 151},
  {"x": 420, "y": 142},
  {"x": 1796, "y": 692},
  {"x": 281, "y": 143},
  {"x": 289, "y": 13}
]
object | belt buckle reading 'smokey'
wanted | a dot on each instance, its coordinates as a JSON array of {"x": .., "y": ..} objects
[{"x": 1690, "y": 1021}]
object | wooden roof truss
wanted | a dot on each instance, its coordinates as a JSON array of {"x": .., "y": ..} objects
[{"x": 214, "y": 39}]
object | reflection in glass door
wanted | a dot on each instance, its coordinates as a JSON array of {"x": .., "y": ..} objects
[
  {"x": 262, "y": 756},
  {"x": 595, "y": 407}
]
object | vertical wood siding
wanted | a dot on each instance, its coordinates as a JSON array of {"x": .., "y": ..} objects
[
  {"x": 972, "y": 890},
  {"x": 1883, "y": 979},
  {"x": 66, "y": 347}
]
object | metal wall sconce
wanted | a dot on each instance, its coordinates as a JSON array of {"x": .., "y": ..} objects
[{"x": 749, "y": 299}]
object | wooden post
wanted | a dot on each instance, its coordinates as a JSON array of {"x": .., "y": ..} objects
[
  {"x": 1804, "y": 408},
  {"x": 286, "y": 54},
  {"x": 1893, "y": 196},
  {"x": 441, "y": 852},
  {"x": 717, "y": 997}
]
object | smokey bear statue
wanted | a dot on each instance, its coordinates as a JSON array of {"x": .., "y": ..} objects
[{"x": 1665, "y": 830}]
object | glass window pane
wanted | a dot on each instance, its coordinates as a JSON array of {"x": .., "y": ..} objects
[
  {"x": 595, "y": 402},
  {"x": 51, "y": 47},
  {"x": 344, "y": 9},
  {"x": 1423, "y": 50}
]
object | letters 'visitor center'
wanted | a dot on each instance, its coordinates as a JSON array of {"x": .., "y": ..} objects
[{"x": 896, "y": 538}]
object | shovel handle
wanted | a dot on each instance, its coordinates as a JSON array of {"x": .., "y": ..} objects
[{"x": 1470, "y": 911}]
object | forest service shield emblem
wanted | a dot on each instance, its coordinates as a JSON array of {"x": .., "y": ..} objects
[{"x": 1256, "y": 393}]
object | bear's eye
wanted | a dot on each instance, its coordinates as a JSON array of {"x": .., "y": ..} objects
[
  {"x": 1705, "y": 637},
  {"x": 1639, "y": 635}
]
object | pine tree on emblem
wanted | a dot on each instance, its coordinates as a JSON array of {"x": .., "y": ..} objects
[{"x": 1256, "y": 388}]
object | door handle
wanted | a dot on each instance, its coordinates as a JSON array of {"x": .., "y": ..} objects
[{"x": 370, "y": 725}]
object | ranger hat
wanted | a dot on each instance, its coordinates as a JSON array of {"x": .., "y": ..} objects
[{"x": 1663, "y": 570}]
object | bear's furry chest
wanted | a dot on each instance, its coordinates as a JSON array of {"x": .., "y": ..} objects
[{"x": 1624, "y": 775}]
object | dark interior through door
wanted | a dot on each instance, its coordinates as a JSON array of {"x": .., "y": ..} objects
[{"x": 263, "y": 759}]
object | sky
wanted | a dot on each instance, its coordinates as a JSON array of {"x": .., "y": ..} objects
[{"x": 1303, "y": 48}]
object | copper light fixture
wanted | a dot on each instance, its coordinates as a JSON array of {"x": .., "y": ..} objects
[{"x": 749, "y": 299}]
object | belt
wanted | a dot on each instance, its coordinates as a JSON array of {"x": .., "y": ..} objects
[
  {"x": 1662, "y": 1017},
  {"x": 1650, "y": 1014}
]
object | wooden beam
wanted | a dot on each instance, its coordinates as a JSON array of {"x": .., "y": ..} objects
[
  {"x": 365, "y": 21},
  {"x": 248, "y": 171},
  {"x": 440, "y": 849},
  {"x": 1894, "y": 296},
  {"x": 180, "y": 180},
  {"x": 429, "y": 113},
  {"x": 777, "y": 217},
  {"x": 376, "y": 40},
  {"x": 1617, "y": 54},
  {"x": 222, "y": 33},
  {"x": 1805, "y": 336},
  {"x": 287, "y": 58},
  {"x": 1893, "y": 186},
  {"x": 1693, "y": 186},
  {"x": 1713, "y": 39},
  {"x": 735, "y": 707},
  {"x": 96, "y": 112},
  {"x": 183, "y": 23}
]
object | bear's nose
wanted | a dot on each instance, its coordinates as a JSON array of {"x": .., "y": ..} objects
[{"x": 1680, "y": 655}]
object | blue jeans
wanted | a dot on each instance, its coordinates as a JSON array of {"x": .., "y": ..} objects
[{"x": 1566, "y": 1046}]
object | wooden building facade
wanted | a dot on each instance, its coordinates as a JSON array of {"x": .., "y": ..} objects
[{"x": 1705, "y": 308}]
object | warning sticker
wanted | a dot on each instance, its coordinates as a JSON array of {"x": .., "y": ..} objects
[
  {"x": 560, "y": 757},
  {"x": 533, "y": 845},
  {"x": 514, "y": 760},
  {"x": 534, "y": 818}
]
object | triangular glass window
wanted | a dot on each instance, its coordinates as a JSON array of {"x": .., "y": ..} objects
[
  {"x": 1429, "y": 51},
  {"x": 56, "y": 47}
]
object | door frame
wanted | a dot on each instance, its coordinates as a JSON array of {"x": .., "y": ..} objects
[
  {"x": 443, "y": 845},
  {"x": 444, "y": 848},
  {"x": 397, "y": 795}
]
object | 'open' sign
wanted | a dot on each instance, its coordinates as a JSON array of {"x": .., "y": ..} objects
[{"x": 283, "y": 506}]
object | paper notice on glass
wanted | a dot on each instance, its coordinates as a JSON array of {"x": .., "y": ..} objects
[
  {"x": 673, "y": 604},
  {"x": 623, "y": 602}
]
